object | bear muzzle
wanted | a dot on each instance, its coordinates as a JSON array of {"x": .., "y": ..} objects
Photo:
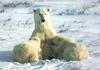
[{"x": 43, "y": 20}]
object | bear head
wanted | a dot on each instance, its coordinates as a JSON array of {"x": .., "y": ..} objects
[{"x": 41, "y": 15}]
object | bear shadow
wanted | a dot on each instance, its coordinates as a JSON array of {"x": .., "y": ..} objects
[{"x": 5, "y": 56}]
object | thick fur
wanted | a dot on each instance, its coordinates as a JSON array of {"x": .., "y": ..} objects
[
  {"x": 28, "y": 51},
  {"x": 67, "y": 49}
]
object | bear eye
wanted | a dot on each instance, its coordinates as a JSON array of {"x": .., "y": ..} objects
[
  {"x": 45, "y": 14},
  {"x": 39, "y": 14}
]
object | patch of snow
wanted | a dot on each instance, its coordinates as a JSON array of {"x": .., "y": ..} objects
[{"x": 17, "y": 25}]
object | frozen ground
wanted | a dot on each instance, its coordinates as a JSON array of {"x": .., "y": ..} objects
[{"x": 17, "y": 24}]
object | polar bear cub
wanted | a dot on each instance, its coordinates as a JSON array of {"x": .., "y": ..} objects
[
  {"x": 28, "y": 51},
  {"x": 67, "y": 49}
]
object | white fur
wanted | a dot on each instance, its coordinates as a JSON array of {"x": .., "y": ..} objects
[{"x": 27, "y": 51}]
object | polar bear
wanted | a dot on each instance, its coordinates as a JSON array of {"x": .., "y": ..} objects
[
  {"x": 67, "y": 49},
  {"x": 43, "y": 29},
  {"x": 28, "y": 51}
]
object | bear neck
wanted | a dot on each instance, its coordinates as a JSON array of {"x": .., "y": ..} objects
[{"x": 44, "y": 31}]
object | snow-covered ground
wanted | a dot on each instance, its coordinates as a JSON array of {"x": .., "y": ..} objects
[{"x": 17, "y": 25}]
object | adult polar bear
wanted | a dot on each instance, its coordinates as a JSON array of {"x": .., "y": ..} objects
[
  {"x": 54, "y": 46},
  {"x": 43, "y": 30}
]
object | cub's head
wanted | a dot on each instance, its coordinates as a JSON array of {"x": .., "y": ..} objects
[
  {"x": 41, "y": 15},
  {"x": 36, "y": 39},
  {"x": 37, "y": 42}
]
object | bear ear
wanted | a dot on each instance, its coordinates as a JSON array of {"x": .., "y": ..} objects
[
  {"x": 34, "y": 10},
  {"x": 48, "y": 9}
]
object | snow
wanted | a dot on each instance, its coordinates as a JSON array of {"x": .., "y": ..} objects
[{"x": 17, "y": 25}]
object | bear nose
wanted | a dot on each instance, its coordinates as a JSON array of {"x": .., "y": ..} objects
[{"x": 43, "y": 20}]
